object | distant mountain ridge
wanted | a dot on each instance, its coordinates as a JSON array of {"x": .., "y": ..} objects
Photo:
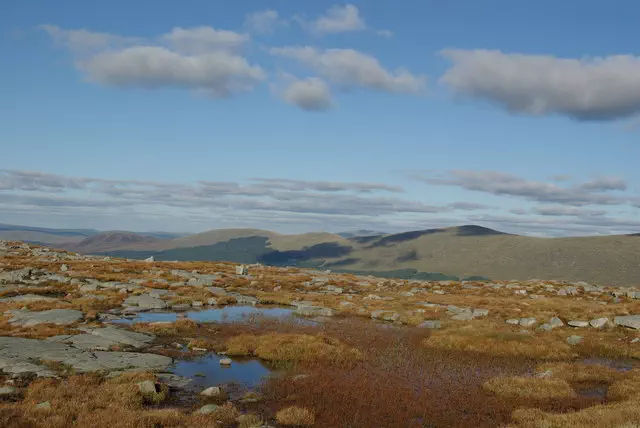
[
  {"x": 468, "y": 251},
  {"x": 68, "y": 238},
  {"x": 108, "y": 241}
]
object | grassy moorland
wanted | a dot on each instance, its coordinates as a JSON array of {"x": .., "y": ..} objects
[{"x": 383, "y": 352}]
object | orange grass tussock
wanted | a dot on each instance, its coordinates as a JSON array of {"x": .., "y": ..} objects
[
  {"x": 295, "y": 416},
  {"x": 530, "y": 388},
  {"x": 303, "y": 348}
]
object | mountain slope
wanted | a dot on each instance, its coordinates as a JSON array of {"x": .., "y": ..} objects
[
  {"x": 108, "y": 241},
  {"x": 43, "y": 235},
  {"x": 465, "y": 251}
]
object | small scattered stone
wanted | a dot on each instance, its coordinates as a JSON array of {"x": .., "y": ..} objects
[
  {"x": 480, "y": 313},
  {"x": 43, "y": 406},
  {"x": 150, "y": 259},
  {"x": 225, "y": 362},
  {"x": 513, "y": 321},
  {"x": 431, "y": 324},
  {"x": 64, "y": 268},
  {"x": 545, "y": 327},
  {"x": 527, "y": 322},
  {"x": 212, "y": 391},
  {"x": 209, "y": 408},
  {"x": 556, "y": 322},
  {"x": 575, "y": 323},
  {"x": 463, "y": 316},
  {"x": 545, "y": 374},
  {"x": 7, "y": 390},
  {"x": 147, "y": 387},
  {"x": 174, "y": 381},
  {"x": 599, "y": 322},
  {"x": 574, "y": 340}
]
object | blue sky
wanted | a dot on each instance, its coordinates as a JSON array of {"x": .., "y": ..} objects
[{"x": 303, "y": 116}]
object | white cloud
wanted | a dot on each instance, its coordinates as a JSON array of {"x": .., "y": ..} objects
[
  {"x": 263, "y": 22},
  {"x": 204, "y": 39},
  {"x": 584, "y": 89},
  {"x": 217, "y": 73},
  {"x": 339, "y": 19},
  {"x": 561, "y": 210},
  {"x": 350, "y": 68},
  {"x": 310, "y": 94},
  {"x": 603, "y": 184},
  {"x": 202, "y": 59}
]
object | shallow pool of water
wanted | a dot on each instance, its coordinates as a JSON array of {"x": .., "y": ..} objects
[
  {"x": 206, "y": 371},
  {"x": 224, "y": 314}
]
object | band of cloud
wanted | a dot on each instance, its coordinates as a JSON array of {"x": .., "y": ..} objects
[{"x": 594, "y": 192}]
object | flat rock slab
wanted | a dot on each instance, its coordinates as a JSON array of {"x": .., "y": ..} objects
[
  {"x": 102, "y": 339},
  {"x": 631, "y": 321},
  {"x": 26, "y": 298},
  {"x": 120, "y": 336},
  {"x": 53, "y": 316},
  {"x": 17, "y": 355},
  {"x": 146, "y": 301},
  {"x": 313, "y": 311}
]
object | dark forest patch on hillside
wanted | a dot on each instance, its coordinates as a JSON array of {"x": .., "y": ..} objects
[{"x": 473, "y": 230}]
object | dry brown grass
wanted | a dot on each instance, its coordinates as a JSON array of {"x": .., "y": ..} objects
[
  {"x": 226, "y": 414},
  {"x": 295, "y": 416},
  {"x": 203, "y": 344},
  {"x": 192, "y": 293},
  {"x": 625, "y": 389},
  {"x": 618, "y": 415},
  {"x": 39, "y": 331},
  {"x": 497, "y": 340},
  {"x": 91, "y": 401},
  {"x": 577, "y": 372},
  {"x": 250, "y": 421},
  {"x": 179, "y": 327},
  {"x": 360, "y": 375},
  {"x": 303, "y": 348},
  {"x": 530, "y": 388}
]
